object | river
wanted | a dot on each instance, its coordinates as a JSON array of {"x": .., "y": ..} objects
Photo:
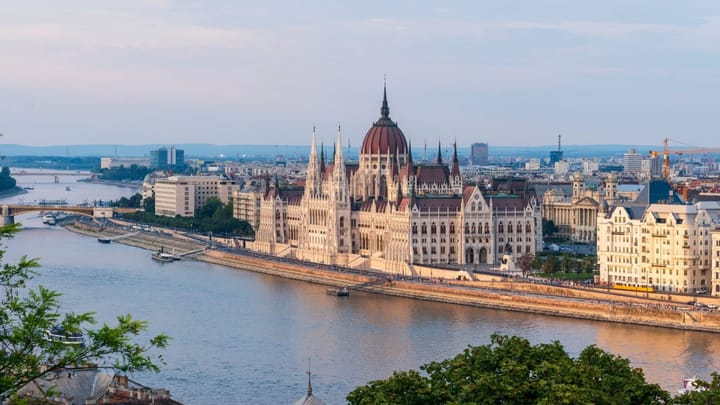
[{"x": 242, "y": 337}]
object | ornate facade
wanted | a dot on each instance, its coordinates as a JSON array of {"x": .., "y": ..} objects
[
  {"x": 576, "y": 216},
  {"x": 387, "y": 212}
]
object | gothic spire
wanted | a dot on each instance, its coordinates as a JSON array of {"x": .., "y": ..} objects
[
  {"x": 439, "y": 156},
  {"x": 322, "y": 159},
  {"x": 385, "y": 110},
  {"x": 455, "y": 164}
]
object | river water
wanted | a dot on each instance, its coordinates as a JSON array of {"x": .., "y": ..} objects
[{"x": 245, "y": 338}]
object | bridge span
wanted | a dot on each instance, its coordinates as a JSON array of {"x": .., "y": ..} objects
[{"x": 8, "y": 211}]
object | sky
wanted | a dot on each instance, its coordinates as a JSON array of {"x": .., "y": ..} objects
[{"x": 509, "y": 73}]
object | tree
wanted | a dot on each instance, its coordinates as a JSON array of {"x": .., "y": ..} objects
[
  {"x": 149, "y": 205},
  {"x": 27, "y": 314},
  {"x": 510, "y": 370},
  {"x": 548, "y": 227}
]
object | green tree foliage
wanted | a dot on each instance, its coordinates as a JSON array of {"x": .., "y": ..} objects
[
  {"x": 135, "y": 201},
  {"x": 25, "y": 316},
  {"x": 6, "y": 182},
  {"x": 706, "y": 393},
  {"x": 149, "y": 205},
  {"x": 551, "y": 265},
  {"x": 132, "y": 173},
  {"x": 548, "y": 227},
  {"x": 214, "y": 216},
  {"x": 510, "y": 370}
]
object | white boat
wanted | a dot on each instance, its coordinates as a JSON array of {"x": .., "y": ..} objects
[
  {"x": 49, "y": 219},
  {"x": 689, "y": 386},
  {"x": 59, "y": 335}
]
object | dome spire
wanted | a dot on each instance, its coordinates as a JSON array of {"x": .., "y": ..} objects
[{"x": 385, "y": 110}]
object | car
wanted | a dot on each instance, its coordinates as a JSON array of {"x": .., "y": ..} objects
[{"x": 701, "y": 305}]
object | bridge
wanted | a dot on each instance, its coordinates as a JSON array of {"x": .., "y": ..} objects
[
  {"x": 8, "y": 211},
  {"x": 26, "y": 173}
]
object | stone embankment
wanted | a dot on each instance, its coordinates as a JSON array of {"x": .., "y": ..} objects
[{"x": 512, "y": 294}]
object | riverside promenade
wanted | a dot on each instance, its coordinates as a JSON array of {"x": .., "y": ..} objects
[{"x": 494, "y": 292}]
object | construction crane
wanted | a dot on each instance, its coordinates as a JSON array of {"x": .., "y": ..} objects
[{"x": 667, "y": 152}]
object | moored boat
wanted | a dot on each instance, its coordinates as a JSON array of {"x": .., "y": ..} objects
[
  {"x": 689, "y": 386},
  {"x": 338, "y": 292},
  {"x": 58, "y": 334}
]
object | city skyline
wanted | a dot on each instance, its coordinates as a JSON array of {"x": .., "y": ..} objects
[{"x": 181, "y": 72}]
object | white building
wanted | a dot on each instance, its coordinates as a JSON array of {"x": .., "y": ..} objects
[
  {"x": 632, "y": 162},
  {"x": 590, "y": 167},
  {"x": 109, "y": 162},
  {"x": 182, "y": 195},
  {"x": 562, "y": 168},
  {"x": 659, "y": 245}
]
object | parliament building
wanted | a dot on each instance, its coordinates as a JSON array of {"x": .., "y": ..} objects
[{"x": 390, "y": 213}]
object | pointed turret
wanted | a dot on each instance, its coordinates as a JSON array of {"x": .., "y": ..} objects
[
  {"x": 322, "y": 159},
  {"x": 385, "y": 110},
  {"x": 312, "y": 180},
  {"x": 439, "y": 155},
  {"x": 455, "y": 171}
]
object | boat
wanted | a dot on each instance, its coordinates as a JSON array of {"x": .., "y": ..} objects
[
  {"x": 338, "y": 292},
  {"x": 162, "y": 257},
  {"x": 57, "y": 334},
  {"x": 29, "y": 187},
  {"x": 689, "y": 386},
  {"x": 49, "y": 219},
  {"x": 104, "y": 240},
  {"x": 67, "y": 188}
]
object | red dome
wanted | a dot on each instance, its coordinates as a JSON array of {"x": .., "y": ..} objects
[{"x": 384, "y": 137}]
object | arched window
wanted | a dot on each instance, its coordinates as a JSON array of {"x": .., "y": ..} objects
[
  {"x": 501, "y": 228},
  {"x": 472, "y": 228},
  {"x": 510, "y": 227},
  {"x": 442, "y": 228},
  {"x": 487, "y": 228},
  {"x": 528, "y": 228},
  {"x": 433, "y": 228},
  {"x": 424, "y": 228},
  {"x": 342, "y": 222},
  {"x": 452, "y": 227},
  {"x": 414, "y": 228},
  {"x": 472, "y": 207}
]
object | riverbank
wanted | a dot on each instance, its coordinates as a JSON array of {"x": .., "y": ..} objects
[
  {"x": 12, "y": 192},
  {"x": 491, "y": 292}
]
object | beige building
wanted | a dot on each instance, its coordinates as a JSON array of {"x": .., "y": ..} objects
[
  {"x": 182, "y": 195},
  {"x": 715, "y": 262},
  {"x": 575, "y": 216},
  {"x": 659, "y": 245},
  {"x": 246, "y": 205},
  {"x": 389, "y": 213}
]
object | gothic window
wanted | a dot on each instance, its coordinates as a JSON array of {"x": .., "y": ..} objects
[
  {"x": 452, "y": 250},
  {"x": 424, "y": 228},
  {"x": 501, "y": 228},
  {"x": 452, "y": 227},
  {"x": 442, "y": 228},
  {"x": 519, "y": 227},
  {"x": 433, "y": 228},
  {"x": 467, "y": 227},
  {"x": 342, "y": 222},
  {"x": 528, "y": 228},
  {"x": 472, "y": 208},
  {"x": 510, "y": 227},
  {"x": 472, "y": 228},
  {"x": 487, "y": 228},
  {"x": 414, "y": 228}
]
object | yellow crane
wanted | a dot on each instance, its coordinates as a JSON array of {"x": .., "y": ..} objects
[{"x": 667, "y": 152}]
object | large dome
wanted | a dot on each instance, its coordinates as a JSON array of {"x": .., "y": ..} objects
[{"x": 384, "y": 137}]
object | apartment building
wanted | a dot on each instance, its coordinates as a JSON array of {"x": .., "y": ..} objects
[{"x": 182, "y": 195}]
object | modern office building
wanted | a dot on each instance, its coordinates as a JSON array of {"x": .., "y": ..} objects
[
  {"x": 479, "y": 154},
  {"x": 632, "y": 162},
  {"x": 167, "y": 158}
]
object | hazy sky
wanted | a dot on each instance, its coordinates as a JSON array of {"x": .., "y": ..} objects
[{"x": 262, "y": 72}]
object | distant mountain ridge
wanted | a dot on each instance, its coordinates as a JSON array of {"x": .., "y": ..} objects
[{"x": 203, "y": 150}]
